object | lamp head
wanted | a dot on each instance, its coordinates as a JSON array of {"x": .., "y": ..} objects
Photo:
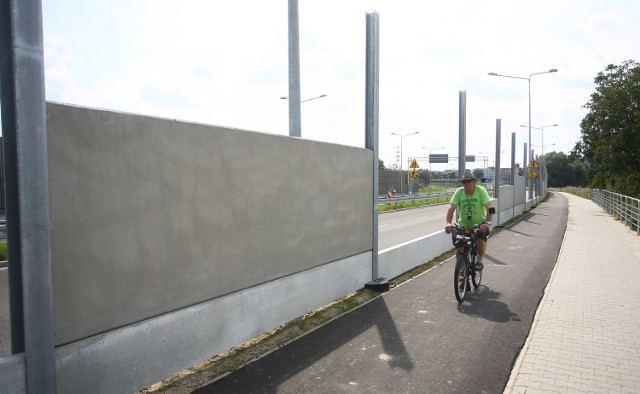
[
  {"x": 492, "y": 73},
  {"x": 553, "y": 70}
]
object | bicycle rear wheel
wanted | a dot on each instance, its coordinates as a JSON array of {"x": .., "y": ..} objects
[
  {"x": 460, "y": 278},
  {"x": 476, "y": 275}
]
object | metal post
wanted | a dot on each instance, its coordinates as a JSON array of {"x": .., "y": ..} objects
[
  {"x": 371, "y": 124},
  {"x": 496, "y": 181},
  {"x": 638, "y": 219},
  {"x": 462, "y": 133},
  {"x": 25, "y": 144},
  {"x": 401, "y": 164},
  {"x": 295, "y": 122},
  {"x": 531, "y": 156},
  {"x": 525, "y": 164},
  {"x": 513, "y": 159}
]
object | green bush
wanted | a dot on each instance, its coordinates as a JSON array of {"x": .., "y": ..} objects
[
  {"x": 393, "y": 205},
  {"x": 3, "y": 250}
]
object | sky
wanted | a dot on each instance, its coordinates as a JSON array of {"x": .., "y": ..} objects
[{"x": 225, "y": 63}]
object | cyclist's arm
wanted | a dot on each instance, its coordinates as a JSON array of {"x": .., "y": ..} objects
[
  {"x": 489, "y": 214},
  {"x": 484, "y": 226},
  {"x": 449, "y": 218}
]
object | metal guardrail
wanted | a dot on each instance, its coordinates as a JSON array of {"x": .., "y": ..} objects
[
  {"x": 625, "y": 208},
  {"x": 3, "y": 229},
  {"x": 382, "y": 199}
]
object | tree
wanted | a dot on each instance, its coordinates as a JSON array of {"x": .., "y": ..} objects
[
  {"x": 563, "y": 170},
  {"x": 519, "y": 170},
  {"x": 478, "y": 173},
  {"x": 425, "y": 175},
  {"x": 610, "y": 141},
  {"x": 381, "y": 164}
]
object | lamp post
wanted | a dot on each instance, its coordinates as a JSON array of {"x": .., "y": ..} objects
[
  {"x": 542, "y": 146},
  {"x": 528, "y": 79},
  {"x": 401, "y": 163},
  {"x": 302, "y": 101},
  {"x": 542, "y": 129},
  {"x": 545, "y": 146}
]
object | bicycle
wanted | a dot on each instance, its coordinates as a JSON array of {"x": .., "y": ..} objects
[{"x": 465, "y": 262}]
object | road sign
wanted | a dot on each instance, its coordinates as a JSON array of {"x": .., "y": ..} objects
[
  {"x": 470, "y": 158},
  {"x": 439, "y": 158},
  {"x": 534, "y": 164},
  {"x": 532, "y": 174},
  {"x": 414, "y": 164},
  {"x": 413, "y": 174}
]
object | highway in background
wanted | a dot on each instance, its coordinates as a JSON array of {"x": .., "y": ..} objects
[{"x": 396, "y": 227}]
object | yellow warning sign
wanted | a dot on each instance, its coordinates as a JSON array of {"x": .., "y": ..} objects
[
  {"x": 532, "y": 174},
  {"x": 414, "y": 164},
  {"x": 413, "y": 174},
  {"x": 533, "y": 164}
]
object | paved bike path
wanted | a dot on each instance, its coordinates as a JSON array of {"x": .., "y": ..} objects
[
  {"x": 417, "y": 338},
  {"x": 586, "y": 334}
]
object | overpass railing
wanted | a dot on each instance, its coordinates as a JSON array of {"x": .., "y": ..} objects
[{"x": 622, "y": 207}]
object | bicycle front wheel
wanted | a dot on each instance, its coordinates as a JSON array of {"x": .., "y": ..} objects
[{"x": 460, "y": 278}]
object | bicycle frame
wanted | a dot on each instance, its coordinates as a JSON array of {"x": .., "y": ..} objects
[{"x": 465, "y": 261}]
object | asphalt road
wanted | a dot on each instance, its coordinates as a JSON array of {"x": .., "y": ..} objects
[
  {"x": 417, "y": 338},
  {"x": 396, "y": 227}
]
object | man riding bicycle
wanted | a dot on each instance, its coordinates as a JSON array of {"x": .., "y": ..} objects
[{"x": 474, "y": 207}]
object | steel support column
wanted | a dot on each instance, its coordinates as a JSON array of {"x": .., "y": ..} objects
[
  {"x": 25, "y": 144},
  {"x": 295, "y": 117},
  {"x": 371, "y": 120},
  {"x": 462, "y": 133}
]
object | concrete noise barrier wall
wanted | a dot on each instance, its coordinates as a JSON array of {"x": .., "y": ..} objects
[{"x": 152, "y": 215}]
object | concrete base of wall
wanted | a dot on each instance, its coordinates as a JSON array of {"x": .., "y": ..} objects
[
  {"x": 404, "y": 257},
  {"x": 133, "y": 357},
  {"x": 12, "y": 374}
]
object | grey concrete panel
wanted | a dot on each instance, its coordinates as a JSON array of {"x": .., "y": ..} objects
[
  {"x": 507, "y": 194},
  {"x": 130, "y": 358},
  {"x": 151, "y": 215},
  {"x": 402, "y": 258},
  {"x": 520, "y": 194},
  {"x": 12, "y": 374}
]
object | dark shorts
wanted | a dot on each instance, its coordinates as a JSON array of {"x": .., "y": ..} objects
[
  {"x": 479, "y": 234},
  {"x": 483, "y": 234}
]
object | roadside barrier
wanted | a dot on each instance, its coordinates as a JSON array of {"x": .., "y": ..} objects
[{"x": 622, "y": 207}]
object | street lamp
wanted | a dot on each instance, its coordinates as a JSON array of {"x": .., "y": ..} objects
[
  {"x": 528, "y": 79},
  {"x": 302, "y": 101},
  {"x": 542, "y": 129},
  {"x": 543, "y": 147},
  {"x": 401, "y": 137}
]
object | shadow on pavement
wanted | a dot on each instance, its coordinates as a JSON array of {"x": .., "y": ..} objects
[
  {"x": 266, "y": 374},
  {"x": 484, "y": 303}
]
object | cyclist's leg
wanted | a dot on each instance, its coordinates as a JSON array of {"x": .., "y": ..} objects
[{"x": 481, "y": 248}]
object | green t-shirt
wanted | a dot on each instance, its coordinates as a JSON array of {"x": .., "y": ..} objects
[{"x": 474, "y": 203}]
